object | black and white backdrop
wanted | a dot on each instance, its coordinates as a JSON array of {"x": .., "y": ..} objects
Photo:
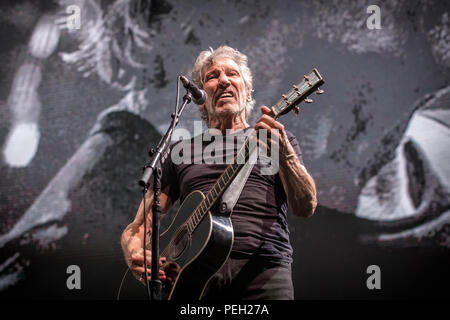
[{"x": 81, "y": 104}]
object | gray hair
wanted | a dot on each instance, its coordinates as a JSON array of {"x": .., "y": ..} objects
[{"x": 208, "y": 57}]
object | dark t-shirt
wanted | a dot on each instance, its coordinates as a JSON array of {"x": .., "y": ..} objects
[{"x": 259, "y": 216}]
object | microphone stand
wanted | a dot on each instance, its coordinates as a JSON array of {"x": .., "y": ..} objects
[{"x": 154, "y": 169}]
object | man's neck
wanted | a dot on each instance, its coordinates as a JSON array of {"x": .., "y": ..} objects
[{"x": 232, "y": 123}]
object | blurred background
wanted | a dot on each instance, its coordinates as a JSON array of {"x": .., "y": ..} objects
[{"x": 88, "y": 86}]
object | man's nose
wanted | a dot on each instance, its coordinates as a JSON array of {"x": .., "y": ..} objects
[{"x": 224, "y": 82}]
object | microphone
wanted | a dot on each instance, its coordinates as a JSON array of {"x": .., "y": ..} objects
[{"x": 198, "y": 95}]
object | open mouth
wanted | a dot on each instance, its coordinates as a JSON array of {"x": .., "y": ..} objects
[{"x": 225, "y": 95}]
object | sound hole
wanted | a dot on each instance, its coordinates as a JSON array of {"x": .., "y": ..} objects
[{"x": 180, "y": 243}]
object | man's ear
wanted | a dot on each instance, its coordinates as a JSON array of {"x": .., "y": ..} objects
[{"x": 201, "y": 107}]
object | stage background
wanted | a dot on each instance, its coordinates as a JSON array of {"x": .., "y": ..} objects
[{"x": 80, "y": 107}]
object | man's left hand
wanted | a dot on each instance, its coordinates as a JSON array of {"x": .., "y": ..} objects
[{"x": 274, "y": 127}]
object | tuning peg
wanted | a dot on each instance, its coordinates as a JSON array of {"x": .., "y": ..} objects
[
  {"x": 319, "y": 91},
  {"x": 308, "y": 100},
  {"x": 296, "y": 109}
]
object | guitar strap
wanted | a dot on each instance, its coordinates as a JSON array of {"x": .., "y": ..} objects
[{"x": 232, "y": 193}]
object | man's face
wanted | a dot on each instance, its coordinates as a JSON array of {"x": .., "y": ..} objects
[{"x": 225, "y": 88}]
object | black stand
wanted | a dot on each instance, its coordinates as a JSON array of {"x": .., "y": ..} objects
[
  {"x": 155, "y": 283},
  {"x": 154, "y": 168}
]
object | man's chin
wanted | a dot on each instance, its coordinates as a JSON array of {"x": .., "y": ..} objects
[{"x": 226, "y": 109}]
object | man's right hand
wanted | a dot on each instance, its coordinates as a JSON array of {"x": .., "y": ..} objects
[
  {"x": 136, "y": 265},
  {"x": 133, "y": 238}
]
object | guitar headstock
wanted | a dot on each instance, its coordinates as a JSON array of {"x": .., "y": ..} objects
[{"x": 299, "y": 92}]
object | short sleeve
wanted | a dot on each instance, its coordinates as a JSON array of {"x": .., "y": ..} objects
[{"x": 169, "y": 180}]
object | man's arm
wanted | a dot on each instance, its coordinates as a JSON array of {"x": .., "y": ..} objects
[
  {"x": 132, "y": 239},
  {"x": 298, "y": 185}
]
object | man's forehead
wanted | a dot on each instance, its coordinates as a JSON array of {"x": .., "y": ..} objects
[{"x": 222, "y": 63}]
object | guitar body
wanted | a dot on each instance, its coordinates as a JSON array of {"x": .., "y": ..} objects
[{"x": 192, "y": 259}]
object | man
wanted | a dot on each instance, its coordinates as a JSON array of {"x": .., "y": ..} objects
[{"x": 259, "y": 266}]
